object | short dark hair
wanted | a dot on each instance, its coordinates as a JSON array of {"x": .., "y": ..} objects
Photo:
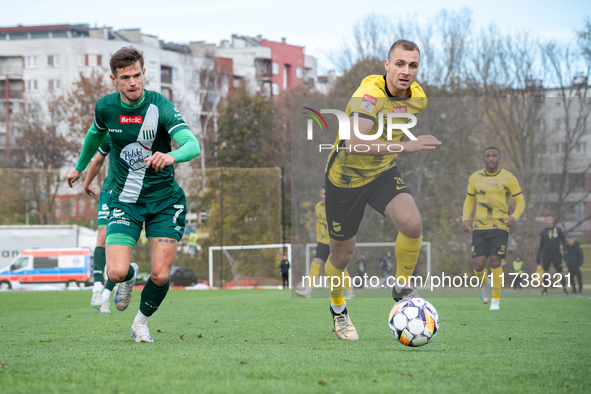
[
  {"x": 125, "y": 57},
  {"x": 552, "y": 216},
  {"x": 406, "y": 45},
  {"x": 491, "y": 147}
]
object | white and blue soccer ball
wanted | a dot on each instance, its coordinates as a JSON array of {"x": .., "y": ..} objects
[{"x": 414, "y": 322}]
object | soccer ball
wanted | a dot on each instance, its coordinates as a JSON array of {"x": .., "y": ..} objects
[{"x": 414, "y": 322}]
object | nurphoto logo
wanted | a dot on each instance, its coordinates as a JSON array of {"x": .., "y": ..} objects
[{"x": 345, "y": 129}]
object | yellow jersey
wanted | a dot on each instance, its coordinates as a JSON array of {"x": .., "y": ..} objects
[
  {"x": 369, "y": 100},
  {"x": 492, "y": 198},
  {"x": 321, "y": 225}
]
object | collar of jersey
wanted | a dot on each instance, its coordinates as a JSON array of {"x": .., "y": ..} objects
[
  {"x": 391, "y": 96},
  {"x": 487, "y": 173},
  {"x": 132, "y": 106}
]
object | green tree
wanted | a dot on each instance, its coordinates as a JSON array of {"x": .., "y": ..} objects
[{"x": 246, "y": 136}]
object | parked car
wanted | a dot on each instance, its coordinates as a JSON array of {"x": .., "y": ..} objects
[{"x": 180, "y": 276}]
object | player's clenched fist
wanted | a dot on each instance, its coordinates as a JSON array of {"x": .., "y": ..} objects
[{"x": 159, "y": 160}]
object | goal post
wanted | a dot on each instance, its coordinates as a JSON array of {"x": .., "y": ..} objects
[
  {"x": 225, "y": 250},
  {"x": 426, "y": 245}
]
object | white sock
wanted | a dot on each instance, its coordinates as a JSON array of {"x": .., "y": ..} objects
[
  {"x": 338, "y": 309},
  {"x": 140, "y": 318},
  {"x": 98, "y": 286},
  {"x": 105, "y": 296}
]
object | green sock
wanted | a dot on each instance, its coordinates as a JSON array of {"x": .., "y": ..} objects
[
  {"x": 109, "y": 285},
  {"x": 152, "y": 297},
  {"x": 129, "y": 274},
  {"x": 99, "y": 263}
]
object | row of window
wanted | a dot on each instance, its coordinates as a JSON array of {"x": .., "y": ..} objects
[
  {"x": 35, "y": 84},
  {"x": 299, "y": 70},
  {"x": 40, "y": 34},
  {"x": 54, "y": 60}
]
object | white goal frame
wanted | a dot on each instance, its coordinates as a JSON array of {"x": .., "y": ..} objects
[
  {"x": 310, "y": 246},
  {"x": 244, "y": 247}
]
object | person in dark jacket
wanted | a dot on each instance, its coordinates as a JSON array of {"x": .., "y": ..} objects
[
  {"x": 549, "y": 251},
  {"x": 574, "y": 260},
  {"x": 285, "y": 271}
]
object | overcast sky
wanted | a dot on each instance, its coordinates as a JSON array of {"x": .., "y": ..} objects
[{"x": 318, "y": 25}]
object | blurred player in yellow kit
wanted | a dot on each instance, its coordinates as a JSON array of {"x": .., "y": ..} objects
[
  {"x": 322, "y": 250},
  {"x": 491, "y": 188}
]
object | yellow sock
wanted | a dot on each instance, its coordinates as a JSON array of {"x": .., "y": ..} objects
[
  {"x": 481, "y": 275},
  {"x": 496, "y": 284},
  {"x": 314, "y": 271},
  {"x": 407, "y": 253},
  {"x": 336, "y": 294},
  {"x": 347, "y": 280}
]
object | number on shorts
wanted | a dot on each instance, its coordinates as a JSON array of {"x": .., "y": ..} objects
[{"x": 179, "y": 209}]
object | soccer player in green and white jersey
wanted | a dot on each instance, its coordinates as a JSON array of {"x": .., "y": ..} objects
[
  {"x": 141, "y": 124},
  {"x": 100, "y": 293}
]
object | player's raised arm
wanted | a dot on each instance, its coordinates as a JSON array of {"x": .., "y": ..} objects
[{"x": 379, "y": 147}]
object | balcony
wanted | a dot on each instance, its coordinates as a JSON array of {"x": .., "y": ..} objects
[
  {"x": 14, "y": 72},
  {"x": 14, "y": 94}
]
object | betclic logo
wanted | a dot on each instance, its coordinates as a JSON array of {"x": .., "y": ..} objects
[{"x": 130, "y": 119}]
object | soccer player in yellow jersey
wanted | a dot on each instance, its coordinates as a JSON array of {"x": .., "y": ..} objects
[
  {"x": 322, "y": 250},
  {"x": 491, "y": 187},
  {"x": 358, "y": 177}
]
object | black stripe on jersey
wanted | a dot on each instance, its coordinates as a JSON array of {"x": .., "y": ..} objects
[
  {"x": 334, "y": 156},
  {"x": 366, "y": 116},
  {"x": 516, "y": 194},
  {"x": 471, "y": 194}
]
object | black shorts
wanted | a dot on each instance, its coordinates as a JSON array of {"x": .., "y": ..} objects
[
  {"x": 489, "y": 243},
  {"x": 345, "y": 206},
  {"x": 322, "y": 251},
  {"x": 555, "y": 259}
]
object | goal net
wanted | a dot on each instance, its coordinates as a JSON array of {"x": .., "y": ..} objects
[
  {"x": 374, "y": 251},
  {"x": 247, "y": 266}
]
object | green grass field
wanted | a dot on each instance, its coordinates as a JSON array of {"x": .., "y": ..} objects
[{"x": 265, "y": 341}]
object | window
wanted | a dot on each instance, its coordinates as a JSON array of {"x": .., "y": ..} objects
[
  {"x": 559, "y": 148},
  {"x": 299, "y": 73},
  {"x": 175, "y": 73},
  {"x": 19, "y": 36},
  {"x": 581, "y": 147},
  {"x": 175, "y": 95},
  {"x": 275, "y": 68},
  {"x": 152, "y": 70},
  {"x": 31, "y": 61},
  {"x": 195, "y": 119},
  {"x": 57, "y": 84},
  {"x": 72, "y": 208},
  {"x": 196, "y": 98},
  {"x": 41, "y": 34},
  {"x": 21, "y": 263},
  {"x": 81, "y": 60},
  {"x": 275, "y": 89},
  {"x": 50, "y": 84},
  {"x": 59, "y": 34},
  {"x": 82, "y": 207},
  {"x": 32, "y": 84},
  {"x": 53, "y": 60},
  {"x": 44, "y": 262}
]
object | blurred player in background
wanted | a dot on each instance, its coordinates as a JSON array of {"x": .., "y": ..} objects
[
  {"x": 491, "y": 187},
  {"x": 551, "y": 238},
  {"x": 100, "y": 294},
  {"x": 359, "y": 177},
  {"x": 574, "y": 260},
  {"x": 141, "y": 124},
  {"x": 322, "y": 249}
]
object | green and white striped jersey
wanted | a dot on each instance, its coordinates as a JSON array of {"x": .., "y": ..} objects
[{"x": 136, "y": 133}]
